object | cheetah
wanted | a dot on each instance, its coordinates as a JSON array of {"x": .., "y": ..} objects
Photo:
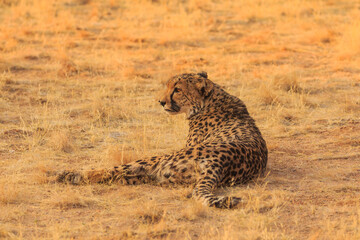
[{"x": 224, "y": 147}]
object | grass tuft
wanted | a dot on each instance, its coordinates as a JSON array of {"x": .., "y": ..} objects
[
  {"x": 70, "y": 198},
  {"x": 62, "y": 141},
  {"x": 194, "y": 211},
  {"x": 150, "y": 213}
]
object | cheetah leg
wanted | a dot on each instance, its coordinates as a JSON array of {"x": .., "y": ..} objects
[
  {"x": 132, "y": 173},
  {"x": 102, "y": 176},
  {"x": 162, "y": 169},
  {"x": 204, "y": 190}
]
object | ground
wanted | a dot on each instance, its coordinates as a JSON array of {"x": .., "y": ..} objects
[{"x": 78, "y": 88}]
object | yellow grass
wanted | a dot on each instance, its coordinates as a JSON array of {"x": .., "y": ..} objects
[{"x": 78, "y": 84}]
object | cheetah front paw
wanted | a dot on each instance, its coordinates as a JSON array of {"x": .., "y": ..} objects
[
  {"x": 227, "y": 202},
  {"x": 74, "y": 178}
]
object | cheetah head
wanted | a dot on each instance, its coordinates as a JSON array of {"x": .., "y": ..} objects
[{"x": 186, "y": 93}]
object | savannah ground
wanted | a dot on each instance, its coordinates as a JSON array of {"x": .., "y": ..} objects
[{"x": 78, "y": 87}]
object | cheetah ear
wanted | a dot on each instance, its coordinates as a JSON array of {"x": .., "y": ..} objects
[
  {"x": 203, "y": 74},
  {"x": 205, "y": 87}
]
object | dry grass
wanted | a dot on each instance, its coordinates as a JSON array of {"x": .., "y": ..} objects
[{"x": 78, "y": 80}]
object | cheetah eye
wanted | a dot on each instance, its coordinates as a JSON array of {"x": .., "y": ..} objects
[{"x": 177, "y": 90}]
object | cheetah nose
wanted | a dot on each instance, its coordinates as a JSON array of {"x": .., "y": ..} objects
[{"x": 162, "y": 103}]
